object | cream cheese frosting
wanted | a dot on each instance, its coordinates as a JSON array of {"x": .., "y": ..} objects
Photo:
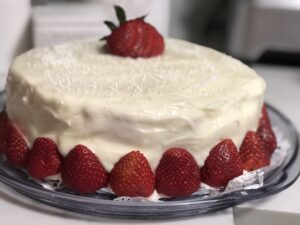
[{"x": 190, "y": 97}]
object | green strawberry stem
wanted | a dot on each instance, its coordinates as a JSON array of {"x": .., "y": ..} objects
[
  {"x": 120, "y": 14},
  {"x": 142, "y": 17},
  {"x": 110, "y": 25}
]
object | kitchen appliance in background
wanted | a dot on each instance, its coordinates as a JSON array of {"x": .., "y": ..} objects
[
  {"x": 15, "y": 33},
  {"x": 265, "y": 30},
  {"x": 55, "y": 23}
]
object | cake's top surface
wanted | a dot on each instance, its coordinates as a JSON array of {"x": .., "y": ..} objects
[{"x": 186, "y": 74}]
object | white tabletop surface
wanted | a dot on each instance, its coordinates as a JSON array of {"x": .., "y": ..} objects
[{"x": 283, "y": 92}]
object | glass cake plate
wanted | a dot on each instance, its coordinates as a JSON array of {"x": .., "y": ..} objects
[{"x": 102, "y": 203}]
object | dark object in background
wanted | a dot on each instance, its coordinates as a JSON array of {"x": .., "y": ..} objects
[
  {"x": 208, "y": 23},
  {"x": 265, "y": 31},
  {"x": 280, "y": 57},
  {"x": 200, "y": 21}
]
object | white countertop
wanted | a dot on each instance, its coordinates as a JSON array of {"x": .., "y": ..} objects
[{"x": 283, "y": 92}]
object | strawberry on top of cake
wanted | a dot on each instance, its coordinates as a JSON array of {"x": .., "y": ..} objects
[{"x": 136, "y": 112}]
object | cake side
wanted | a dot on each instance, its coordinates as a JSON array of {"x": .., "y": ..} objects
[{"x": 189, "y": 97}]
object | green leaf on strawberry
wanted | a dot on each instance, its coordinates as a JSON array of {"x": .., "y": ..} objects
[{"x": 133, "y": 38}]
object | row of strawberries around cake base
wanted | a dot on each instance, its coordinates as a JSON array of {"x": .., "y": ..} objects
[{"x": 176, "y": 175}]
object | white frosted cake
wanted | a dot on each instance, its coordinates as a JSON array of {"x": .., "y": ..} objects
[
  {"x": 190, "y": 97},
  {"x": 168, "y": 121}
]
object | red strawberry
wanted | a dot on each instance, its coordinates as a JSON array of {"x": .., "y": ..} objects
[
  {"x": 264, "y": 120},
  {"x": 177, "y": 173},
  {"x": 3, "y": 131},
  {"x": 252, "y": 152},
  {"x": 132, "y": 176},
  {"x": 82, "y": 171},
  {"x": 265, "y": 131},
  {"x": 44, "y": 159},
  {"x": 133, "y": 38},
  {"x": 222, "y": 165},
  {"x": 17, "y": 150}
]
